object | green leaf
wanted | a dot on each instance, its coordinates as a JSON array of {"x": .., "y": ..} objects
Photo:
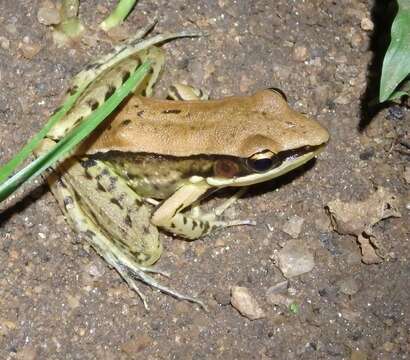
[
  {"x": 118, "y": 15},
  {"x": 397, "y": 95},
  {"x": 7, "y": 169},
  {"x": 396, "y": 64},
  {"x": 76, "y": 135},
  {"x": 294, "y": 308}
]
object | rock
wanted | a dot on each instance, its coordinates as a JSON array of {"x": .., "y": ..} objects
[
  {"x": 245, "y": 83},
  {"x": 369, "y": 254},
  {"x": 366, "y": 24},
  {"x": 279, "y": 299},
  {"x": 295, "y": 259},
  {"x": 356, "y": 40},
  {"x": 4, "y": 43},
  {"x": 136, "y": 345},
  {"x": 358, "y": 355},
  {"x": 348, "y": 286},
  {"x": 27, "y": 353},
  {"x": 29, "y": 49},
  {"x": 48, "y": 14},
  {"x": 358, "y": 218},
  {"x": 300, "y": 53},
  {"x": 293, "y": 226},
  {"x": 406, "y": 174},
  {"x": 73, "y": 301},
  {"x": 243, "y": 301},
  {"x": 280, "y": 287},
  {"x": 96, "y": 270},
  {"x": 222, "y": 297},
  {"x": 388, "y": 346}
]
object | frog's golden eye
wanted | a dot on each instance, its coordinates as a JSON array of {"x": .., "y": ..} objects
[
  {"x": 226, "y": 168},
  {"x": 263, "y": 161},
  {"x": 280, "y": 92}
]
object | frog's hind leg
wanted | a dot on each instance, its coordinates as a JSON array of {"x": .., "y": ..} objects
[{"x": 128, "y": 264}]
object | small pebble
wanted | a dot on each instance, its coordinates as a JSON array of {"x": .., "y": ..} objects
[
  {"x": 95, "y": 270},
  {"x": 11, "y": 28},
  {"x": 356, "y": 40},
  {"x": 29, "y": 50},
  {"x": 27, "y": 353},
  {"x": 388, "y": 346},
  {"x": 348, "y": 286},
  {"x": 295, "y": 259},
  {"x": 222, "y": 297},
  {"x": 406, "y": 174},
  {"x": 358, "y": 355},
  {"x": 300, "y": 53},
  {"x": 48, "y": 14},
  {"x": 343, "y": 99},
  {"x": 367, "y": 24},
  {"x": 119, "y": 33},
  {"x": 245, "y": 83},
  {"x": 4, "y": 43},
  {"x": 243, "y": 301},
  {"x": 293, "y": 226},
  {"x": 73, "y": 301},
  {"x": 280, "y": 287},
  {"x": 136, "y": 345},
  {"x": 102, "y": 9},
  {"x": 279, "y": 299}
]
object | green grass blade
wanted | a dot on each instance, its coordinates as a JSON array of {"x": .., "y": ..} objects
[
  {"x": 396, "y": 64},
  {"x": 7, "y": 169},
  {"x": 74, "y": 136},
  {"x": 118, "y": 15}
]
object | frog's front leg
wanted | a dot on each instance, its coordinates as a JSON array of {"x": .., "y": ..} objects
[{"x": 169, "y": 215}]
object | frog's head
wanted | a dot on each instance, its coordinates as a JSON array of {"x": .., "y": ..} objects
[{"x": 280, "y": 141}]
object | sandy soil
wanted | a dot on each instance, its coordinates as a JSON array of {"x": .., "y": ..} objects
[{"x": 59, "y": 300}]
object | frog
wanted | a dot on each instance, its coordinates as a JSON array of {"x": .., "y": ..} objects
[{"x": 152, "y": 162}]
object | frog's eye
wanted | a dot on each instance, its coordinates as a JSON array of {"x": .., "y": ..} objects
[
  {"x": 263, "y": 161},
  {"x": 280, "y": 92}
]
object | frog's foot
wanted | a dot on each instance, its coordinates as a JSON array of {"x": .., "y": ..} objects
[
  {"x": 140, "y": 273},
  {"x": 218, "y": 211},
  {"x": 185, "y": 92}
]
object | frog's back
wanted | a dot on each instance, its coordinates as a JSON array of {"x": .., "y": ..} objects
[{"x": 236, "y": 126}]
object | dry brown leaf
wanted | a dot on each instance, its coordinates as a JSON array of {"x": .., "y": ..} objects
[{"x": 358, "y": 219}]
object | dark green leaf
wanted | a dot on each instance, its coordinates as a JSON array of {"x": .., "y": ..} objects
[
  {"x": 74, "y": 136},
  {"x": 396, "y": 64}
]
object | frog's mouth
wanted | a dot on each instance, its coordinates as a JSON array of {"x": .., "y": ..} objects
[{"x": 289, "y": 160}]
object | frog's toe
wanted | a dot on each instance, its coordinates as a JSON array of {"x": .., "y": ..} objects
[{"x": 129, "y": 274}]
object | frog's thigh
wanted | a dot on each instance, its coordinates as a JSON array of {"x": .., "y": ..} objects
[{"x": 120, "y": 211}]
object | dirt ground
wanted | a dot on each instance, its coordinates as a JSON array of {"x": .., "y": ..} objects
[{"x": 58, "y": 298}]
